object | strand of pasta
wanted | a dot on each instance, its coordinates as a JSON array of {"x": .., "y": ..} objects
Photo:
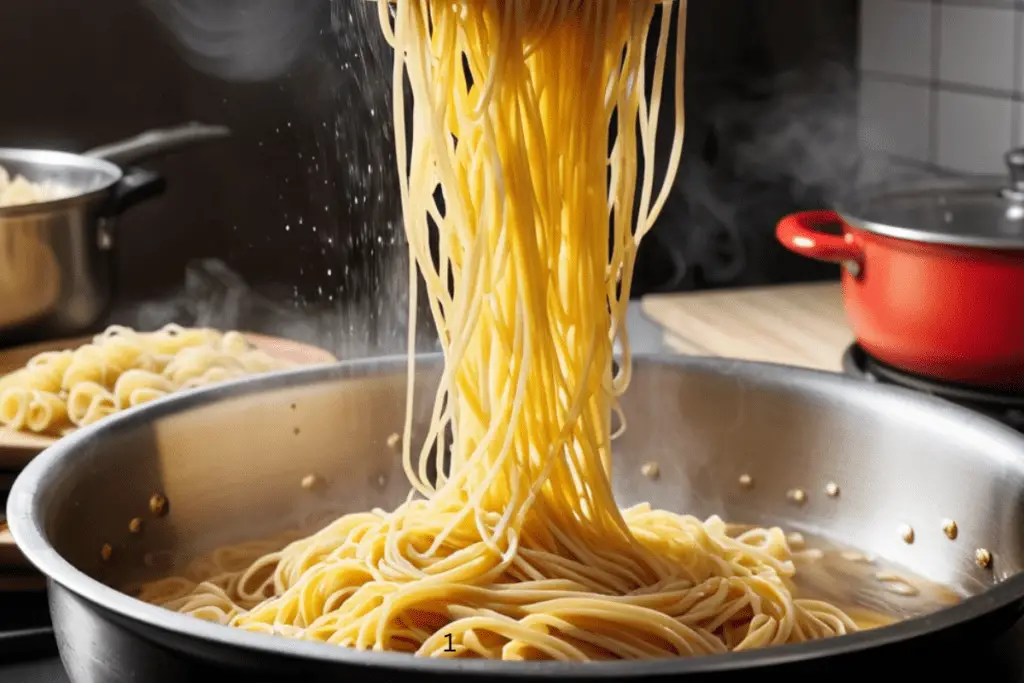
[{"x": 517, "y": 550}]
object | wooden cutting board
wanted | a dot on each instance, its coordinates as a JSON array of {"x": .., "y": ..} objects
[
  {"x": 17, "y": 448},
  {"x": 801, "y": 324}
]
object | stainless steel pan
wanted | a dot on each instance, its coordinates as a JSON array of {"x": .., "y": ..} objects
[
  {"x": 231, "y": 459},
  {"x": 56, "y": 256}
]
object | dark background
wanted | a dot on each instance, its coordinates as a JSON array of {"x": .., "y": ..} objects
[{"x": 302, "y": 202}]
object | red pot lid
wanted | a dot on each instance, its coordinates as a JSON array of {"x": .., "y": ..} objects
[{"x": 984, "y": 212}]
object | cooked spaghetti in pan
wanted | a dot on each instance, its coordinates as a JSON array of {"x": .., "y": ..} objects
[{"x": 538, "y": 123}]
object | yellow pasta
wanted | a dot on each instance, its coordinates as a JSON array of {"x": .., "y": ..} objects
[
  {"x": 90, "y": 402},
  {"x": 235, "y": 344},
  {"x": 525, "y": 116},
  {"x": 193, "y": 362},
  {"x": 53, "y": 361},
  {"x": 214, "y": 375},
  {"x": 136, "y": 387},
  {"x": 88, "y": 364},
  {"x": 20, "y": 190},
  {"x": 14, "y": 406},
  {"x": 172, "y": 339},
  {"x": 46, "y": 412},
  {"x": 120, "y": 369}
]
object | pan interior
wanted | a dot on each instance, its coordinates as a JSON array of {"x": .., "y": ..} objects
[
  {"x": 268, "y": 457},
  {"x": 78, "y": 174}
]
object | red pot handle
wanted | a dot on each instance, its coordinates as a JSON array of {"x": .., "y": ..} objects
[{"x": 799, "y": 233}]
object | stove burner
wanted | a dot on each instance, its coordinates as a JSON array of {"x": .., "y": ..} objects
[{"x": 1005, "y": 407}]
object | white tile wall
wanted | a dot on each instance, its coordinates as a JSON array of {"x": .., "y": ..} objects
[
  {"x": 895, "y": 118},
  {"x": 1019, "y": 54},
  {"x": 1018, "y": 115},
  {"x": 974, "y": 131},
  {"x": 976, "y": 46},
  {"x": 942, "y": 81},
  {"x": 894, "y": 37}
]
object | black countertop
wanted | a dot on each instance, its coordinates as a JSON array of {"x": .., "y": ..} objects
[{"x": 47, "y": 670}]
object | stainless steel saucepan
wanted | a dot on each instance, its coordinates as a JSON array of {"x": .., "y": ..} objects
[
  {"x": 56, "y": 256},
  {"x": 231, "y": 460}
]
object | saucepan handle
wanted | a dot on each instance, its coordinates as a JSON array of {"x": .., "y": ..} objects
[
  {"x": 136, "y": 186},
  {"x": 139, "y": 184},
  {"x": 156, "y": 142},
  {"x": 799, "y": 232}
]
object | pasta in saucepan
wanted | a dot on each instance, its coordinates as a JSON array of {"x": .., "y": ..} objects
[
  {"x": 20, "y": 190},
  {"x": 123, "y": 368}
]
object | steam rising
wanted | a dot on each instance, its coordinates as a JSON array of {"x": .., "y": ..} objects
[
  {"x": 758, "y": 149},
  {"x": 241, "y": 40},
  {"x": 215, "y": 296}
]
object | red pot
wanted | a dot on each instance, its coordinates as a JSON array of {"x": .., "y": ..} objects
[{"x": 933, "y": 283}]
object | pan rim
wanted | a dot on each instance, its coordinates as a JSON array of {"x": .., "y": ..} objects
[
  {"x": 58, "y": 159},
  {"x": 24, "y": 508}
]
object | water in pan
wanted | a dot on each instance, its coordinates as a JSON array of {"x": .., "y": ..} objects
[{"x": 871, "y": 590}]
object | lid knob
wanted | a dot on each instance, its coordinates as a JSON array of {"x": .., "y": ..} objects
[{"x": 1015, "y": 162}]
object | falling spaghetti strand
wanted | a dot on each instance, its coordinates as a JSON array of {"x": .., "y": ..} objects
[{"x": 520, "y": 551}]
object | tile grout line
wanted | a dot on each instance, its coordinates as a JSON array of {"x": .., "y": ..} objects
[
  {"x": 933, "y": 88},
  {"x": 947, "y": 86},
  {"x": 1018, "y": 54}
]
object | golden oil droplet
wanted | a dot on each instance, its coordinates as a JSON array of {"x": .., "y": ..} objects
[
  {"x": 855, "y": 556},
  {"x": 746, "y": 481},
  {"x": 394, "y": 440},
  {"x": 135, "y": 526},
  {"x": 106, "y": 551},
  {"x": 650, "y": 470},
  {"x": 309, "y": 481},
  {"x": 158, "y": 504},
  {"x": 899, "y": 585},
  {"x": 832, "y": 489},
  {"x": 951, "y": 530},
  {"x": 798, "y": 496},
  {"x": 907, "y": 533},
  {"x": 983, "y": 558}
]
